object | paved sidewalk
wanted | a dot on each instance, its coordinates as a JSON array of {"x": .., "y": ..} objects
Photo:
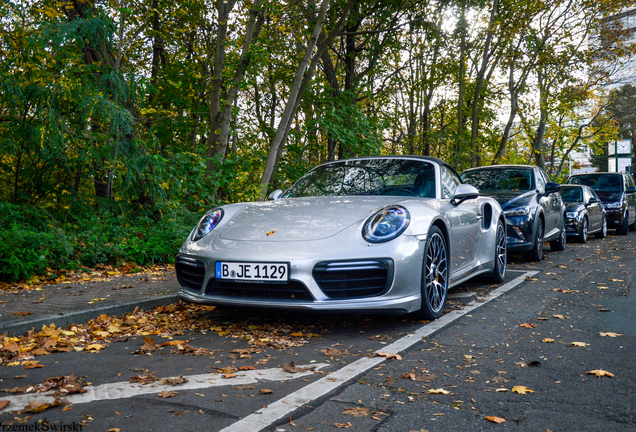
[{"x": 70, "y": 303}]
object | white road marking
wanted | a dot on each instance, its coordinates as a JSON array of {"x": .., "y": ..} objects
[
  {"x": 279, "y": 409},
  {"x": 125, "y": 389}
]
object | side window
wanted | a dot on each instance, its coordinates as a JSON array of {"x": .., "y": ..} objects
[
  {"x": 540, "y": 180},
  {"x": 630, "y": 180},
  {"x": 450, "y": 181},
  {"x": 586, "y": 195}
]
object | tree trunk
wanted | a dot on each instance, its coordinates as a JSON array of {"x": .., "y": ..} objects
[
  {"x": 292, "y": 102},
  {"x": 460, "y": 92}
]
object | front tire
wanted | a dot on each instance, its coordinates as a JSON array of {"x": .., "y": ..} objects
[
  {"x": 603, "y": 232},
  {"x": 583, "y": 233},
  {"x": 536, "y": 253},
  {"x": 501, "y": 255},
  {"x": 559, "y": 244},
  {"x": 623, "y": 229},
  {"x": 435, "y": 274}
]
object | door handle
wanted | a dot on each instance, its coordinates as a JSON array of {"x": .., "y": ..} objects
[{"x": 479, "y": 217}]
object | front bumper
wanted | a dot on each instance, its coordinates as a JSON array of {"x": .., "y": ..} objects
[
  {"x": 615, "y": 218},
  {"x": 573, "y": 226},
  {"x": 310, "y": 285},
  {"x": 520, "y": 233}
]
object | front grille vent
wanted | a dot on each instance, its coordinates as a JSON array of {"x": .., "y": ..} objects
[
  {"x": 190, "y": 272},
  {"x": 291, "y": 291},
  {"x": 354, "y": 279}
]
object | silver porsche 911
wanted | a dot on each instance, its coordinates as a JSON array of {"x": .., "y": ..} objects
[{"x": 372, "y": 234}]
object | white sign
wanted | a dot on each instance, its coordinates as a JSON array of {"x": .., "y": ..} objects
[{"x": 623, "y": 164}]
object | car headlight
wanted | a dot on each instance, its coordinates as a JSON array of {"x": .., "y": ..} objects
[
  {"x": 386, "y": 224},
  {"x": 520, "y": 211},
  {"x": 207, "y": 224},
  {"x": 614, "y": 205},
  {"x": 571, "y": 215}
]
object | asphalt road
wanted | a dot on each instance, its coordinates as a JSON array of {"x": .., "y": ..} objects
[{"x": 540, "y": 331}]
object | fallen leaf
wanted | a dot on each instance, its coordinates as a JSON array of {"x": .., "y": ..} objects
[
  {"x": 248, "y": 367},
  {"x": 33, "y": 366},
  {"x": 174, "y": 381},
  {"x": 547, "y": 340},
  {"x": 558, "y": 316},
  {"x": 610, "y": 334},
  {"x": 167, "y": 394},
  {"x": 114, "y": 430},
  {"x": 601, "y": 373},
  {"x": 23, "y": 313},
  {"x": 95, "y": 347},
  {"x": 266, "y": 391},
  {"x": 228, "y": 376},
  {"x": 495, "y": 419},
  {"x": 521, "y": 390},
  {"x": 439, "y": 391},
  {"x": 502, "y": 390},
  {"x": 580, "y": 344},
  {"x": 335, "y": 352},
  {"x": 384, "y": 354},
  {"x": 528, "y": 325},
  {"x": 343, "y": 425},
  {"x": 292, "y": 368},
  {"x": 4, "y": 404}
]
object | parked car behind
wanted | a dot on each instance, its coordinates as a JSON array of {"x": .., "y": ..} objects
[
  {"x": 531, "y": 203},
  {"x": 584, "y": 212},
  {"x": 618, "y": 194}
]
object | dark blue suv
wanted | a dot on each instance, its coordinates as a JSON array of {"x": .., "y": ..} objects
[{"x": 618, "y": 194}]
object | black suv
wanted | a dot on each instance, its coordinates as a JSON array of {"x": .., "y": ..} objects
[
  {"x": 618, "y": 194},
  {"x": 531, "y": 203}
]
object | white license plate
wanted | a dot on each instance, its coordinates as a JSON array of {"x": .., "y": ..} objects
[{"x": 250, "y": 271}]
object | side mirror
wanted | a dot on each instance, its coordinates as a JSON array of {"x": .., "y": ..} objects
[
  {"x": 275, "y": 195},
  {"x": 594, "y": 200},
  {"x": 552, "y": 188},
  {"x": 631, "y": 189},
  {"x": 464, "y": 192}
]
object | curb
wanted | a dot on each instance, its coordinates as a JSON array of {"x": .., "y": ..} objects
[{"x": 20, "y": 327}]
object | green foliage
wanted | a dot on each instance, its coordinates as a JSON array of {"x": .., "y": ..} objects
[{"x": 34, "y": 240}]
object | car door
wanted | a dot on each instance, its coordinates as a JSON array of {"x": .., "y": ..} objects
[
  {"x": 631, "y": 197},
  {"x": 594, "y": 209},
  {"x": 546, "y": 202},
  {"x": 465, "y": 220}
]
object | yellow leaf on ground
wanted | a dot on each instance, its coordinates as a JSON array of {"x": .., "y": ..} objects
[
  {"x": 499, "y": 390},
  {"x": 600, "y": 373},
  {"x": 439, "y": 391},
  {"x": 388, "y": 355},
  {"x": 495, "y": 419},
  {"x": 528, "y": 325},
  {"x": 547, "y": 340},
  {"x": 580, "y": 344},
  {"x": 521, "y": 390},
  {"x": 610, "y": 334},
  {"x": 95, "y": 347}
]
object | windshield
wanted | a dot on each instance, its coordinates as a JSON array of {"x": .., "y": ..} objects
[
  {"x": 599, "y": 182},
  {"x": 397, "y": 177},
  {"x": 500, "y": 179},
  {"x": 572, "y": 194}
]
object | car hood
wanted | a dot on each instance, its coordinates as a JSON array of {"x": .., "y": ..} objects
[
  {"x": 610, "y": 196},
  {"x": 509, "y": 199},
  {"x": 573, "y": 206},
  {"x": 295, "y": 219}
]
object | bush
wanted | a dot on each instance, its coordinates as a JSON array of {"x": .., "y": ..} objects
[{"x": 33, "y": 240}]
